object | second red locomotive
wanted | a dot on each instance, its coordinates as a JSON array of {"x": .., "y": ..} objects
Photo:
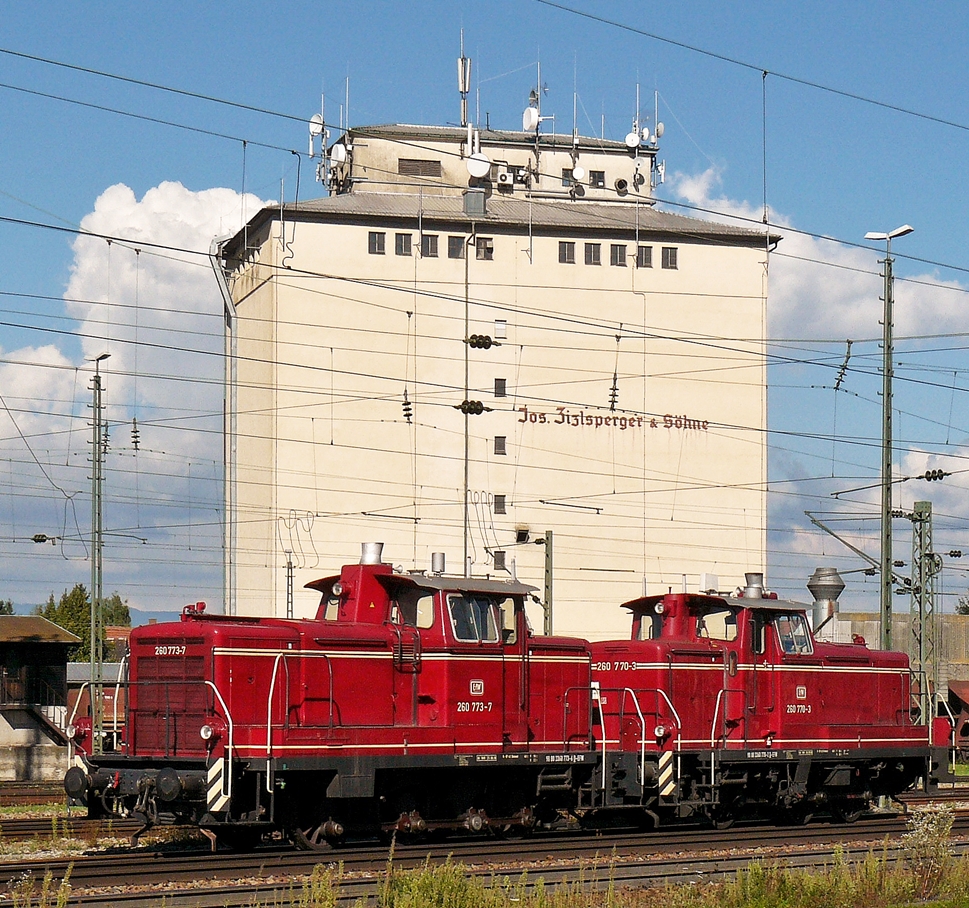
[{"x": 416, "y": 701}]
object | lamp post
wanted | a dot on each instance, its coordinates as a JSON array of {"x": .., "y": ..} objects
[{"x": 886, "y": 475}]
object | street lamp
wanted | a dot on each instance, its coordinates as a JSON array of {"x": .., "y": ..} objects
[{"x": 887, "y": 375}]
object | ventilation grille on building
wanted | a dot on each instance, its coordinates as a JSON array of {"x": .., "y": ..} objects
[{"x": 417, "y": 167}]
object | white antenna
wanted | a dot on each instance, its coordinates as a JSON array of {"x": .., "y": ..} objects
[{"x": 464, "y": 81}]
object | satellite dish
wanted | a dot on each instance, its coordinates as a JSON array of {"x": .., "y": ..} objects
[
  {"x": 478, "y": 165},
  {"x": 632, "y": 140},
  {"x": 578, "y": 173},
  {"x": 645, "y": 133},
  {"x": 530, "y": 119},
  {"x": 316, "y": 125},
  {"x": 660, "y": 129},
  {"x": 338, "y": 154}
]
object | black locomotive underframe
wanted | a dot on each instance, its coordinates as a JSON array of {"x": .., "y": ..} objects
[{"x": 378, "y": 790}]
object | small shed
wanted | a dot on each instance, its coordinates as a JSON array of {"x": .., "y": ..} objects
[{"x": 33, "y": 696}]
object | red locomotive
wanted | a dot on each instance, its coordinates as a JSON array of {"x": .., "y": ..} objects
[{"x": 418, "y": 701}]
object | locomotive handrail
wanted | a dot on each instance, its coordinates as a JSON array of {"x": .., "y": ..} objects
[
  {"x": 117, "y": 693},
  {"x": 952, "y": 734},
  {"x": 70, "y": 721},
  {"x": 642, "y": 720},
  {"x": 642, "y": 736},
  {"x": 227, "y": 775},
  {"x": 282, "y": 657},
  {"x": 716, "y": 712}
]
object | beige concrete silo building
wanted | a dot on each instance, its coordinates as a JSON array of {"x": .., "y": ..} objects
[{"x": 611, "y": 357}]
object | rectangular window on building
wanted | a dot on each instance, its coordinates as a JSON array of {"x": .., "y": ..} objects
[
  {"x": 501, "y": 329},
  {"x": 500, "y": 444},
  {"x": 597, "y": 179},
  {"x": 644, "y": 256},
  {"x": 566, "y": 252},
  {"x": 669, "y": 257},
  {"x": 500, "y": 504},
  {"x": 376, "y": 242},
  {"x": 499, "y": 557},
  {"x": 429, "y": 246},
  {"x": 484, "y": 248},
  {"x": 402, "y": 245},
  {"x": 455, "y": 247},
  {"x": 501, "y": 387},
  {"x": 418, "y": 167},
  {"x": 617, "y": 255},
  {"x": 593, "y": 253},
  {"x": 566, "y": 176}
]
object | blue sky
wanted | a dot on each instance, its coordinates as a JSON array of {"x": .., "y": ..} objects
[{"x": 835, "y": 166}]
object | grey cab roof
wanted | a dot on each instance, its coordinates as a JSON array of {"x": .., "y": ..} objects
[
  {"x": 773, "y": 605},
  {"x": 440, "y": 582}
]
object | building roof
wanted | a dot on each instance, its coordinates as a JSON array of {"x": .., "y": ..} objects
[
  {"x": 487, "y": 136},
  {"x": 79, "y": 672},
  {"x": 33, "y": 629},
  {"x": 539, "y": 215}
]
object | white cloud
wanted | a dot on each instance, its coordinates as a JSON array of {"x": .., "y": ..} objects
[
  {"x": 158, "y": 313},
  {"x": 821, "y": 288}
]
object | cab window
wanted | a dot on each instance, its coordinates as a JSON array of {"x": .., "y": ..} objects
[
  {"x": 414, "y": 607},
  {"x": 792, "y": 634},
  {"x": 717, "y": 624},
  {"x": 473, "y": 619},
  {"x": 650, "y": 626},
  {"x": 509, "y": 622}
]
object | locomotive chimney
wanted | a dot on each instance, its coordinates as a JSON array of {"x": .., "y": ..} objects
[
  {"x": 826, "y": 586},
  {"x": 371, "y": 552},
  {"x": 754, "y": 588},
  {"x": 437, "y": 562}
]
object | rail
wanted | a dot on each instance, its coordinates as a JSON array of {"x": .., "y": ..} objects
[{"x": 282, "y": 659}]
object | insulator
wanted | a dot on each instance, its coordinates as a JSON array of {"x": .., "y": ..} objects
[
  {"x": 614, "y": 392},
  {"x": 471, "y": 407},
  {"x": 135, "y": 434},
  {"x": 955, "y": 553},
  {"x": 408, "y": 408},
  {"x": 482, "y": 342},
  {"x": 933, "y": 475},
  {"x": 870, "y": 572}
]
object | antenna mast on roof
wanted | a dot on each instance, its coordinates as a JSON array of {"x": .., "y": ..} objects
[{"x": 464, "y": 81}]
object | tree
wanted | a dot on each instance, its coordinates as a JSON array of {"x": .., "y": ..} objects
[
  {"x": 962, "y": 606},
  {"x": 6, "y": 607},
  {"x": 116, "y": 611},
  {"x": 73, "y": 613}
]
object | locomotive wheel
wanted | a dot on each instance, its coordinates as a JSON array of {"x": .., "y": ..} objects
[
  {"x": 848, "y": 811},
  {"x": 320, "y": 837},
  {"x": 722, "y": 818}
]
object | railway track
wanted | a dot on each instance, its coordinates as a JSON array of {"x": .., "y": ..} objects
[
  {"x": 20, "y": 794},
  {"x": 634, "y": 859}
]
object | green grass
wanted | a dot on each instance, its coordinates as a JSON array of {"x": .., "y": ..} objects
[{"x": 926, "y": 875}]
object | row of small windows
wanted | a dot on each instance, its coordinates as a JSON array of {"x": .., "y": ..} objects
[
  {"x": 597, "y": 178},
  {"x": 484, "y": 249},
  {"x": 617, "y": 255},
  {"x": 484, "y": 246}
]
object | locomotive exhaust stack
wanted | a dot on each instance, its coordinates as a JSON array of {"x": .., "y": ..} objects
[{"x": 371, "y": 552}]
